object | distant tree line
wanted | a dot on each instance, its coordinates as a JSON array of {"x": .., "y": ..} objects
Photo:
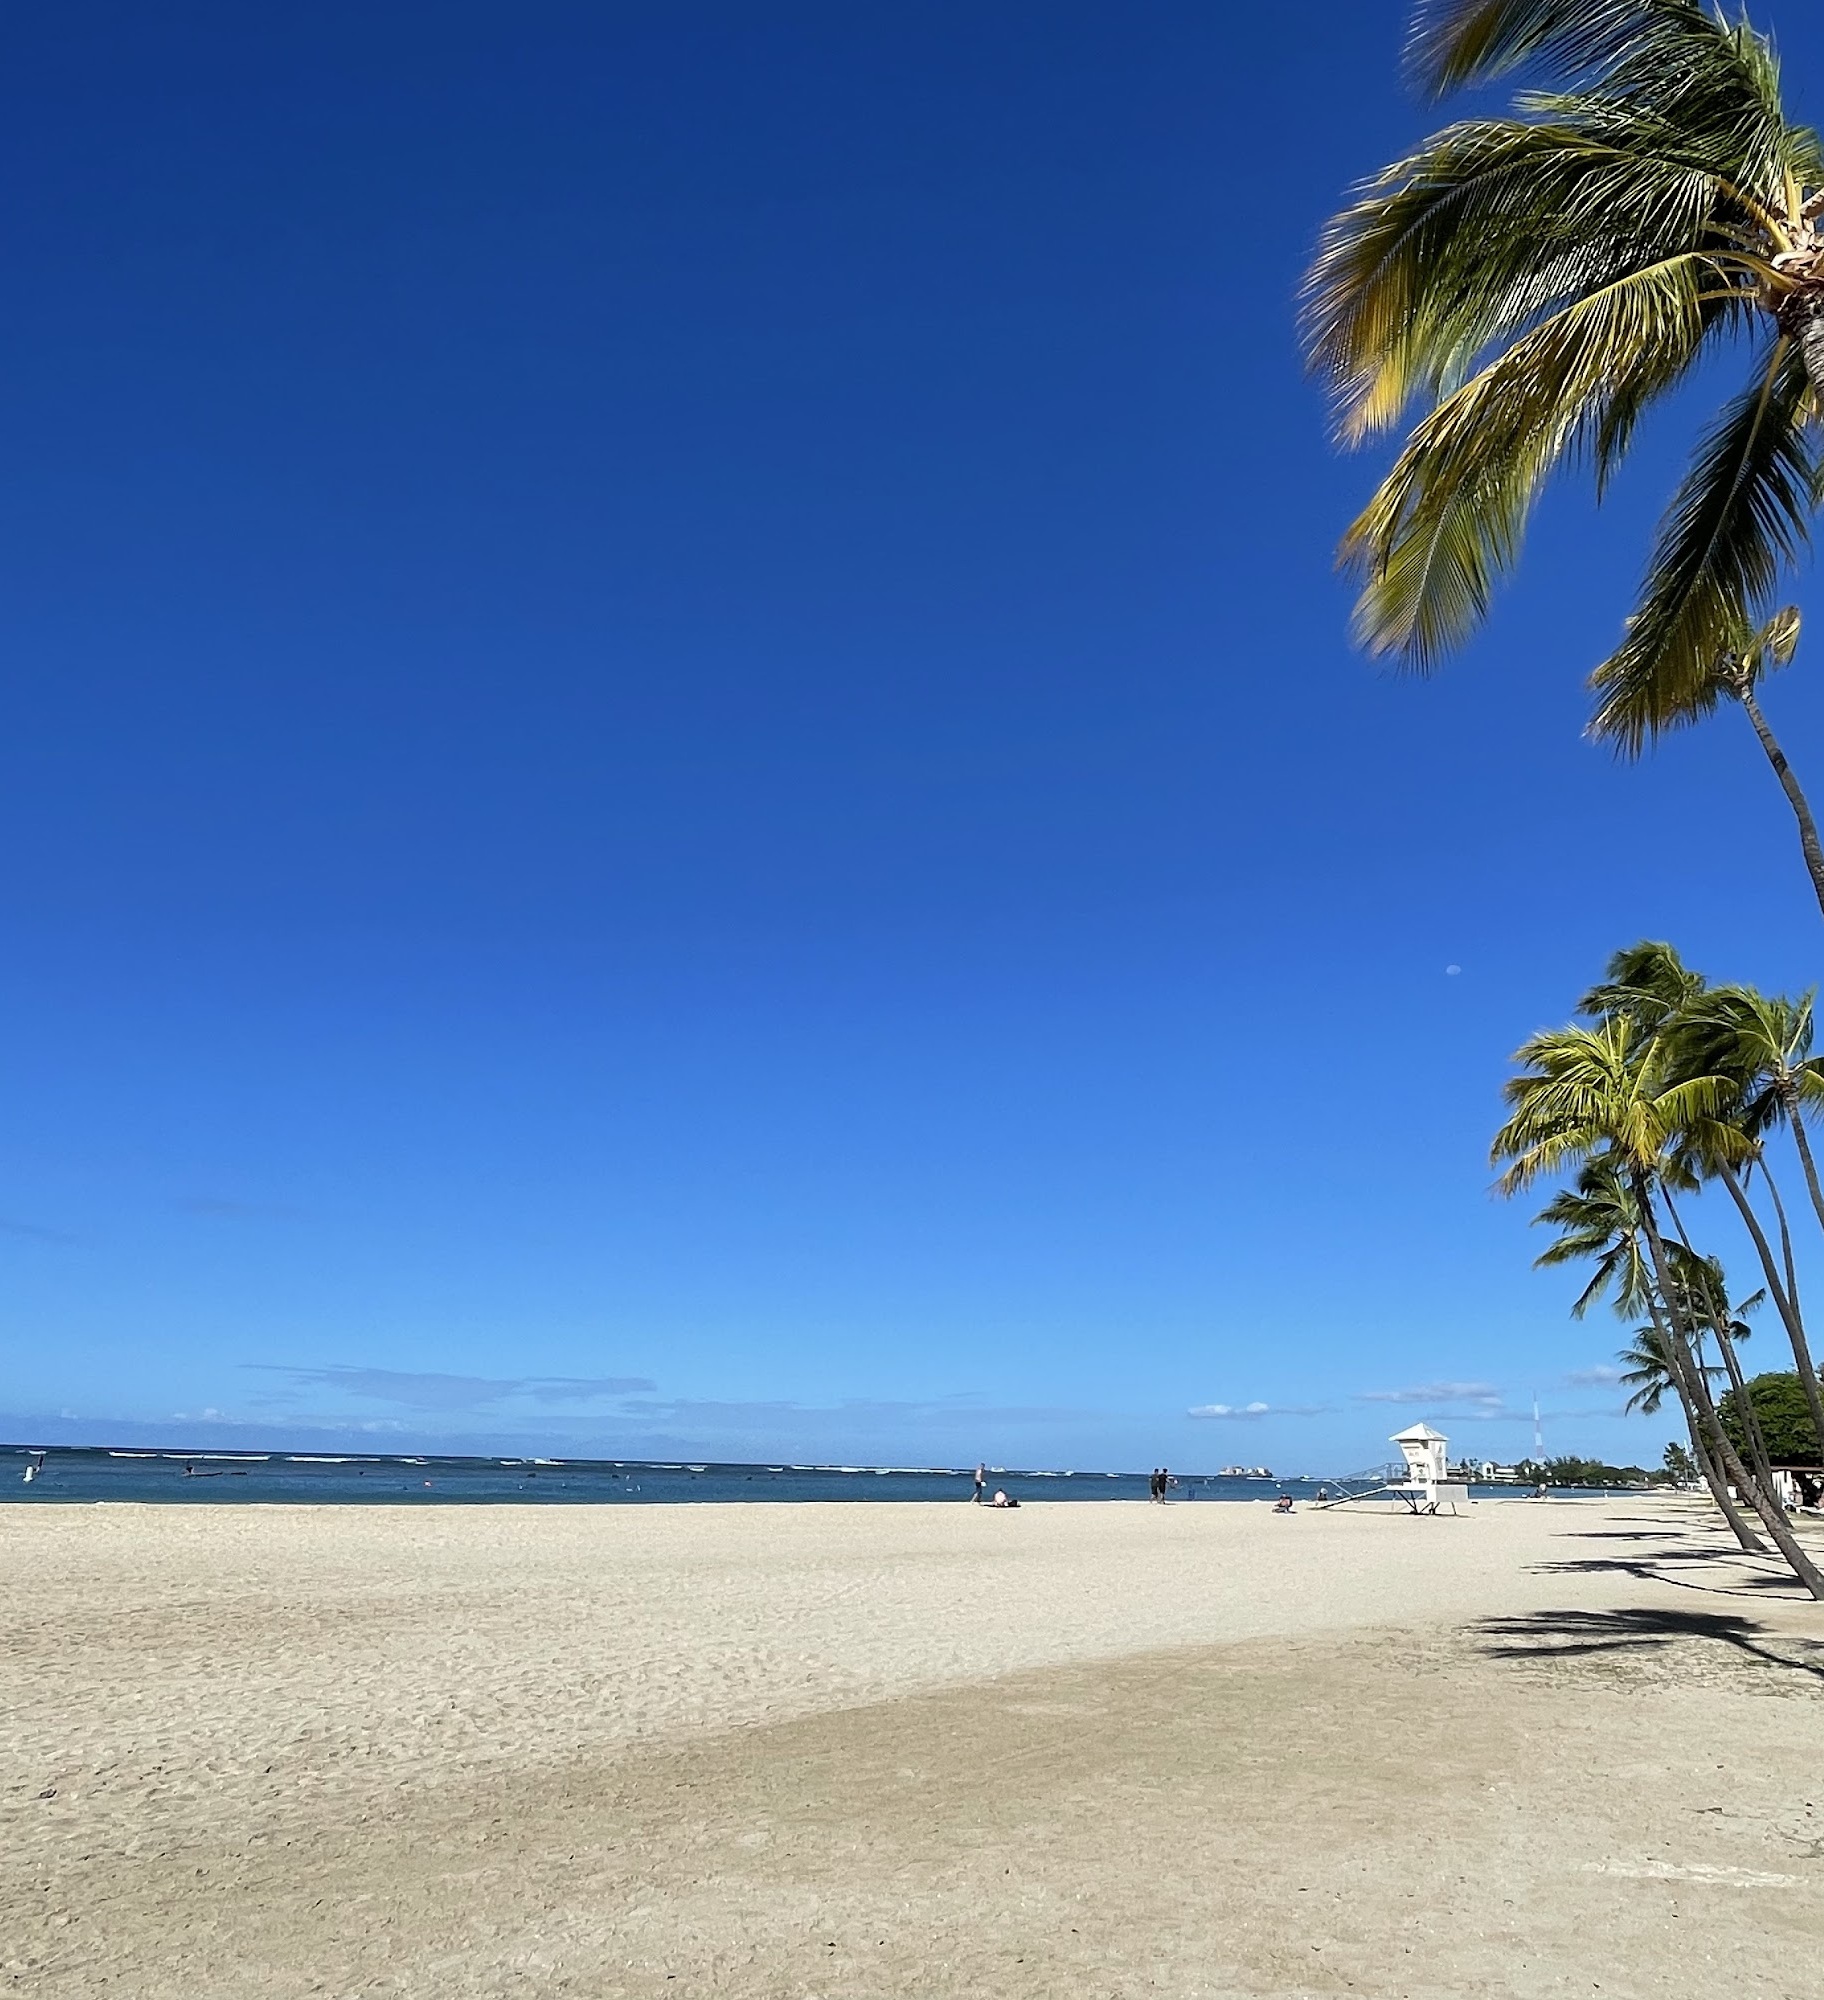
[{"x": 1586, "y": 1472}]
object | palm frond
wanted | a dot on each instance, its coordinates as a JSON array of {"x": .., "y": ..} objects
[
  {"x": 1742, "y": 513},
  {"x": 1450, "y": 515},
  {"x": 1489, "y": 226}
]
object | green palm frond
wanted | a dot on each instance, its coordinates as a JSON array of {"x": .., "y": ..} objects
[
  {"x": 1649, "y": 982},
  {"x": 1533, "y": 285},
  {"x": 1582, "y": 1091},
  {"x": 1450, "y": 515},
  {"x": 1489, "y": 227},
  {"x": 1742, "y": 513},
  {"x": 1457, "y": 44}
]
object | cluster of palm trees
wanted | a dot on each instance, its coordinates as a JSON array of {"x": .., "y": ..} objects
[
  {"x": 1664, "y": 1086},
  {"x": 1516, "y": 294}
]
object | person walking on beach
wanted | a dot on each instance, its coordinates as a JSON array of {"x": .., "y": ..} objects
[{"x": 981, "y": 1483}]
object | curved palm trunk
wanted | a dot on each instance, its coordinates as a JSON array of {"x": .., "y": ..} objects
[
  {"x": 1678, "y": 1354},
  {"x": 1702, "y": 1456},
  {"x": 1800, "y": 1140},
  {"x": 1779, "y": 1210},
  {"x": 1785, "y": 1303},
  {"x": 1719, "y": 1487},
  {"x": 1759, "y": 1459},
  {"x": 1789, "y": 784}
]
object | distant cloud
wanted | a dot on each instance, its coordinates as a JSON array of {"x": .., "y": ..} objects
[
  {"x": 941, "y": 1410},
  {"x": 1484, "y": 1393},
  {"x": 230, "y": 1209},
  {"x": 34, "y": 1232},
  {"x": 456, "y": 1392},
  {"x": 1591, "y": 1378},
  {"x": 1248, "y": 1412}
]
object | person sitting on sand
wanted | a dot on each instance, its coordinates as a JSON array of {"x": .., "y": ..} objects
[
  {"x": 1001, "y": 1500},
  {"x": 1283, "y": 1505}
]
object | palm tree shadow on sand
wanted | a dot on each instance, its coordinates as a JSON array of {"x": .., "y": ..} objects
[
  {"x": 1686, "y": 1562},
  {"x": 1550, "y": 1635}
]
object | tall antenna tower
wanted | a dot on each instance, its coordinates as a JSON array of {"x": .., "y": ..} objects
[{"x": 1538, "y": 1434}]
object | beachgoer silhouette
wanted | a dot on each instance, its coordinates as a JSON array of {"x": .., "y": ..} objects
[{"x": 981, "y": 1482}]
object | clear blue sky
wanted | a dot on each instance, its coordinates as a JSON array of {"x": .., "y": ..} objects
[{"x": 680, "y": 770}]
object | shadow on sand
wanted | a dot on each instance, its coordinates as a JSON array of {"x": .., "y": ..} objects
[{"x": 1569, "y": 1634}]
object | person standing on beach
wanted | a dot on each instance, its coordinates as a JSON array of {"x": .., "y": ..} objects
[{"x": 981, "y": 1482}]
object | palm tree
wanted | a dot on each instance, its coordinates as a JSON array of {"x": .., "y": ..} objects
[
  {"x": 1647, "y": 1375},
  {"x": 1760, "y": 1048},
  {"x": 1762, "y": 1043},
  {"x": 1703, "y": 1298},
  {"x": 1537, "y": 282},
  {"x": 1598, "y": 1218},
  {"x": 1734, "y": 674},
  {"x": 1609, "y": 1089}
]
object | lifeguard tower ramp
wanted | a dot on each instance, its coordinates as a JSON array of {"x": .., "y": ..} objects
[{"x": 1425, "y": 1487}]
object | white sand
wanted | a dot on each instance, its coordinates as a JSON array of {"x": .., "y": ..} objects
[{"x": 201, "y": 1688}]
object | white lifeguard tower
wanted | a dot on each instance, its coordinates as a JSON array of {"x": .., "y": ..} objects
[{"x": 1427, "y": 1486}]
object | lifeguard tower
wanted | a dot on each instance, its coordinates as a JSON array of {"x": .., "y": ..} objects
[{"x": 1427, "y": 1486}]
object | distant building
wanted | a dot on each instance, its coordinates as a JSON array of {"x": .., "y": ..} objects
[{"x": 1486, "y": 1472}]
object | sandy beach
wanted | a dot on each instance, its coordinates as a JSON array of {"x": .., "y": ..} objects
[{"x": 1547, "y": 1748}]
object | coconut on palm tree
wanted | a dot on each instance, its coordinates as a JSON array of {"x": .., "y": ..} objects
[{"x": 1533, "y": 284}]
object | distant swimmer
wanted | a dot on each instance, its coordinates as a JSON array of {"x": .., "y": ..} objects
[{"x": 34, "y": 1468}]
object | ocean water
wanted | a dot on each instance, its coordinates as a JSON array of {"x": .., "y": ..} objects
[{"x": 230, "y": 1478}]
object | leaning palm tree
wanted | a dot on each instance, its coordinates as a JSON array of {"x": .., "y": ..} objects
[
  {"x": 1735, "y": 675},
  {"x": 1537, "y": 282},
  {"x": 1762, "y": 1044},
  {"x": 1609, "y": 1089},
  {"x": 1759, "y": 1048},
  {"x": 1647, "y": 1376},
  {"x": 1598, "y": 1220},
  {"x": 1703, "y": 1303}
]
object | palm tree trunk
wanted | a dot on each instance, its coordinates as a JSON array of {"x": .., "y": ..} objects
[
  {"x": 1702, "y": 1455},
  {"x": 1758, "y": 1456},
  {"x": 1779, "y": 1212},
  {"x": 1799, "y": 1139},
  {"x": 1719, "y": 1487},
  {"x": 1678, "y": 1353},
  {"x": 1789, "y": 784},
  {"x": 1784, "y": 1302}
]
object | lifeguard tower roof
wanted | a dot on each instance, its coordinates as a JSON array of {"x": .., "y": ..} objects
[{"x": 1418, "y": 1434}]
